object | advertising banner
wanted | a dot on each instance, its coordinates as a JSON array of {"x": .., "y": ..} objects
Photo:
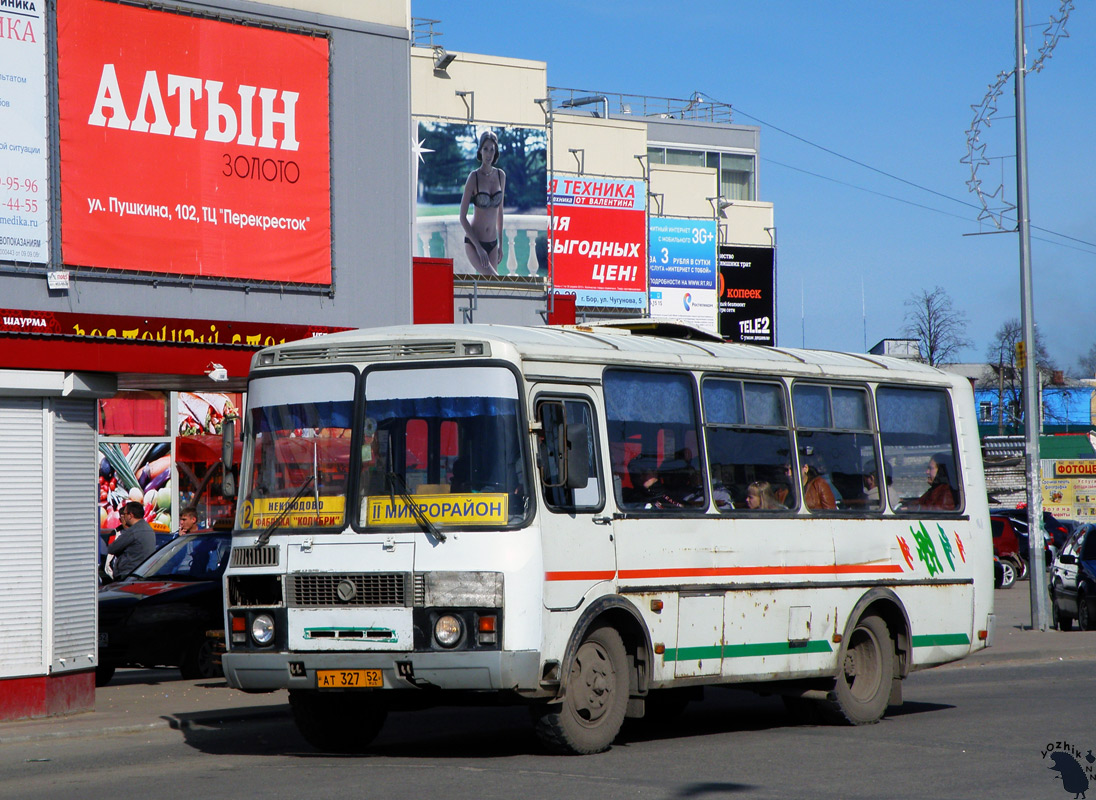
[
  {"x": 502, "y": 202},
  {"x": 155, "y": 330},
  {"x": 1058, "y": 497},
  {"x": 24, "y": 146},
  {"x": 747, "y": 294},
  {"x": 599, "y": 227},
  {"x": 191, "y": 146},
  {"x": 1084, "y": 499},
  {"x": 682, "y": 271}
]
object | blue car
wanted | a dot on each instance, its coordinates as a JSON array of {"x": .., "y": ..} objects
[
  {"x": 1073, "y": 581},
  {"x": 160, "y": 614}
]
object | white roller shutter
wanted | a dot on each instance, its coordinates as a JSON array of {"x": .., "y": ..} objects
[
  {"x": 76, "y": 526},
  {"x": 24, "y": 515}
]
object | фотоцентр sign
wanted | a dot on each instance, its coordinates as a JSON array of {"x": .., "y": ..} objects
[{"x": 192, "y": 146}]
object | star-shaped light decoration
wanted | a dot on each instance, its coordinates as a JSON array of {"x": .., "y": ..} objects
[{"x": 418, "y": 149}]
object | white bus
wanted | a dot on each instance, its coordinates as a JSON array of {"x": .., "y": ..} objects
[{"x": 598, "y": 521}]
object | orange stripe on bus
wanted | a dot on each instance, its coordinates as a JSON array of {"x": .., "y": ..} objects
[{"x": 604, "y": 575}]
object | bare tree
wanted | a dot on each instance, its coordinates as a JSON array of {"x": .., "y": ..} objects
[
  {"x": 937, "y": 325},
  {"x": 1086, "y": 364},
  {"x": 1003, "y": 370}
]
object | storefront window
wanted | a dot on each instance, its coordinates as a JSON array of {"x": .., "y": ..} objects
[
  {"x": 198, "y": 454},
  {"x": 135, "y": 458}
]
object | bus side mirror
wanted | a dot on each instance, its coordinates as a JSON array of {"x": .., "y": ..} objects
[
  {"x": 228, "y": 449},
  {"x": 577, "y": 455}
]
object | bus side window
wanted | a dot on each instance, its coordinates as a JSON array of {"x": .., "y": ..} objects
[
  {"x": 837, "y": 452},
  {"x": 654, "y": 440},
  {"x": 749, "y": 445},
  {"x": 918, "y": 436},
  {"x": 568, "y": 422}
]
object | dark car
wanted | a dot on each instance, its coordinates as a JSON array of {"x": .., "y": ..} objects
[
  {"x": 1073, "y": 582},
  {"x": 160, "y": 614},
  {"x": 1059, "y": 529}
]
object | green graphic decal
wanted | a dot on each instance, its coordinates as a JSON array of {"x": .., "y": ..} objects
[
  {"x": 945, "y": 545},
  {"x": 926, "y": 550}
]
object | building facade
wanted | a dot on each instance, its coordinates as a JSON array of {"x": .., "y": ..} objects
[{"x": 188, "y": 181}]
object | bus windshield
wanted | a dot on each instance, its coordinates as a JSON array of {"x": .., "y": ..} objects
[
  {"x": 446, "y": 439},
  {"x": 300, "y": 465}
]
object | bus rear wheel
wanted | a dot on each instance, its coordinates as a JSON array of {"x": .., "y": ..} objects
[
  {"x": 338, "y": 722},
  {"x": 863, "y": 685},
  {"x": 595, "y": 698}
]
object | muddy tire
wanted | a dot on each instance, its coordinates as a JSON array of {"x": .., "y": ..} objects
[
  {"x": 338, "y": 722},
  {"x": 595, "y": 698},
  {"x": 863, "y": 684}
]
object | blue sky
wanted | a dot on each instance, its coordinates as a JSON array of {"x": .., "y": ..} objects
[{"x": 887, "y": 84}]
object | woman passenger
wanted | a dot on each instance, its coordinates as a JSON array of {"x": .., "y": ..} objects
[
  {"x": 939, "y": 496},
  {"x": 817, "y": 494},
  {"x": 759, "y": 494}
]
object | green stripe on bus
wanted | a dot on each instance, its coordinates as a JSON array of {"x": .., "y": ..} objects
[
  {"x": 776, "y": 649},
  {"x": 745, "y": 650},
  {"x": 940, "y": 639}
]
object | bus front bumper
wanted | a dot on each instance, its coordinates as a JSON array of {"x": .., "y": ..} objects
[{"x": 478, "y": 671}]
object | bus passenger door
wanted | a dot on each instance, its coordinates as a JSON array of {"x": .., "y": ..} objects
[{"x": 576, "y": 537}]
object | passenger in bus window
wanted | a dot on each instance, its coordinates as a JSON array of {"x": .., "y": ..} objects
[
  {"x": 871, "y": 484},
  {"x": 759, "y": 495},
  {"x": 721, "y": 496},
  {"x": 647, "y": 490},
  {"x": 940, "y": 496},
  {"x": 817, "y": 494},
  {"x": 783, "y": 491}
]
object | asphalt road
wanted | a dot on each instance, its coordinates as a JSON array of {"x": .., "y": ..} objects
[{"x": 977, "y": 729}]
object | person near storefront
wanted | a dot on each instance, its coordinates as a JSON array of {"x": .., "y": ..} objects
[
  {"x": 188, "y": 521},
  {"x": 133, "y": 545}
]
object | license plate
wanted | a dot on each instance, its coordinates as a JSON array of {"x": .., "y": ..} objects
[{"x": 349, "y": 679}]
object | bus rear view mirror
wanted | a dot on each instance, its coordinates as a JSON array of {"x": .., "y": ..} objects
[
  {"x": 577, "y": 473},
  {"x": 228, "y": 449}
]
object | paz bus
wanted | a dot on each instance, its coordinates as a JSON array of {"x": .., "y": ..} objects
[{"x": 598, "y": 521}]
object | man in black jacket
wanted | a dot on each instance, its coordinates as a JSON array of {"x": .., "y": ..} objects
[{"x": 133, "y": 545}]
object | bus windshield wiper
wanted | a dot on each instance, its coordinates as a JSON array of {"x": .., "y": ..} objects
[
  {"x": 292, "y": 504},
  {"x": 396, "y": 482}
]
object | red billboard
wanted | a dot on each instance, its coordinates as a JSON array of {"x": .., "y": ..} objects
[
  {"x": 192, "y": 146},
  {"x": 599, "y": 233}
]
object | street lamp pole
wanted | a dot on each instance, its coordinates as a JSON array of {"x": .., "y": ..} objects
[{"x": 1036, "y": 551}]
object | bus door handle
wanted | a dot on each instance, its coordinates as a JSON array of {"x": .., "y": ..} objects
[{"x": 602, "y": 520}]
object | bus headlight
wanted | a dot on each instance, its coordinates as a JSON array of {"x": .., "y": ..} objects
[
  {"x": 262, "y": 629},
  {"x": 448, "y": 630}
]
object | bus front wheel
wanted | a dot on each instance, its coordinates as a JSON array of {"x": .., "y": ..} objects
[
  {"x": 595, "y": 698},
  {"x": 337, "y": 722},
  {"x": 863, "y": 686}
]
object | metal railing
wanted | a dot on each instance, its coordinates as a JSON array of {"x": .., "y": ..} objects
[{"x": 699, "y": 107}]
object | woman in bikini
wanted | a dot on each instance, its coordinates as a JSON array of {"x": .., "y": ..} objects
[{"x": 485, "y": 190}]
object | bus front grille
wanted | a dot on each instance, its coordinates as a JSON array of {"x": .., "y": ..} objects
[
  {"x": 263, "y": 556},
  {"x": 381, "y": 589}
]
